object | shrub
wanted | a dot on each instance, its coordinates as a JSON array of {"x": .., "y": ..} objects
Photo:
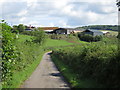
[
  {"x": 9, "y": 56},
  {"x": 39, "y": 37},
  {"x": 89, "y": 38},
  {"x": 70, "y": 37}
]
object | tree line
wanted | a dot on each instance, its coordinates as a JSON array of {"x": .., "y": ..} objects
[{"x": 101, "y": 27}]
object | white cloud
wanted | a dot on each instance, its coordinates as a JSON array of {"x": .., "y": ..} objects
[
  {"x": 64, "y": 13},
  {"x": 22, "y": 19},
  {"x": 22, "y": 13}
]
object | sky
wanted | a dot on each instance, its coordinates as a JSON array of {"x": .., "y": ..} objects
[{"x": 59, "y": 13}]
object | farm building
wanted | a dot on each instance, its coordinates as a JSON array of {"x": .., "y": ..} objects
[
  {"x": 60, "y": 31},
  {"x": 105, "y": 32},
  {"x": 66, "y": 31},
  {"x": 48, "y": 30},
  {"x": 73, "y": 30},
  {"x": 28, "y": 29},
  {"x": 92, "y": 32}
]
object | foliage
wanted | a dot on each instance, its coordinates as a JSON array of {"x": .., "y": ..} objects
[
  {"x": 15, "y": 29},
  {"x": 97, "y": 61},
  {"x": 89, "y": 38},
  {"x": 64, "y": 37},
  {"x": 20, "y": 28},
  {"x": 9, "y": 56},
  {"x": 72, "y": 77},
  {"x": 101, "y": 27},
  {"x": 39, "y": 37},
  {"x": 4, "y": 26}
]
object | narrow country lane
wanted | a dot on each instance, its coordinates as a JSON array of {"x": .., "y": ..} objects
[{"x": 46, "y": 75}]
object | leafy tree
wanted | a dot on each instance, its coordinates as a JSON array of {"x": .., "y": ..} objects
[
  {"x": 15, "y": 29},
  {"x": 39, "y": 37},
  {"x": 2, "y": 20},
  {"x": 5, "y": 26},
  {"x": 21, "y": 27}
]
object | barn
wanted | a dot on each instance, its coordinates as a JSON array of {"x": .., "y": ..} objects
[
  {"x": 92, "y": 32},
  {"x": 60, "y": 31}
]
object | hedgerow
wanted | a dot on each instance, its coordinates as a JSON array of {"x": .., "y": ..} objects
[
  {"x": 89, "y": 38},
  {"x": 98, "y": 61},
  {"x": 9, "y": 56}
]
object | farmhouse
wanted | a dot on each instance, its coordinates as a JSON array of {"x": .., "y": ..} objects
[{"x": 92, "y": 32}]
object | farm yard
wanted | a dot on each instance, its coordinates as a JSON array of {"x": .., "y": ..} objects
[{"x": 85, "y": 61}]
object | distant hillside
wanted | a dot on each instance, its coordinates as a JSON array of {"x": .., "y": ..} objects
[{"x": 101, "y": 27}]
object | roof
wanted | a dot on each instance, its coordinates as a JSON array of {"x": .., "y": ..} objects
[
  {"x": 93, "y": 30},
  {"x": 28, "y": 29},
  {"x": 61, "y": 29},
  {"x": 105, "y": 31},
  {"x": 75, "y": 29},
  {"x": 48, "y": 28}
]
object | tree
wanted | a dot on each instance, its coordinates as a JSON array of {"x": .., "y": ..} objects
[
  {"x": 5, "y": 26},
  {"x": 2, "y": 20},
  {"x": 15, "y": 29},
  {"x": 39, "y": 37},
  {"x": 21, "y": 27}
]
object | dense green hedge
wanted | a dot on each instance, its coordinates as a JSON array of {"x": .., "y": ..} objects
[
  {"x": 89, "y": 38},
  {"x": 98, "y": 61},
  {"x": 9, "y": 56}
]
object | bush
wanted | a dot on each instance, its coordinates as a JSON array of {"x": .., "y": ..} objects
[
  {"x": 39, "y": 37},
  {"x": 9, "y": 56},
  {"x": 89, "y": 38},
  {"x": 70, "y": 37}
]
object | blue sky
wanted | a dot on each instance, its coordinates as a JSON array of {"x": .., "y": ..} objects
[{"x": 61, "y": 13}]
